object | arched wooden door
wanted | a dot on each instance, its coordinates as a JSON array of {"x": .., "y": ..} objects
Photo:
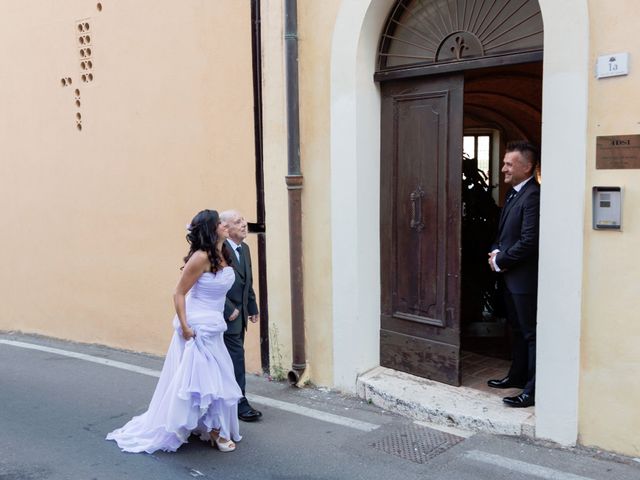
[{"x": 424, "y": 49}]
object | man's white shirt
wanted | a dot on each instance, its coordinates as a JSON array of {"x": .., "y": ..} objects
[{"x": 234, "y": 246}]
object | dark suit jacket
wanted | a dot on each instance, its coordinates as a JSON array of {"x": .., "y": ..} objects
[
  {"x": 518, "y": 235},
  {"x": 241, "y": 294}
]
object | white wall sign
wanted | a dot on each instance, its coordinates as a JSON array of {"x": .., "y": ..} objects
[{"x": 612, "y": 65}]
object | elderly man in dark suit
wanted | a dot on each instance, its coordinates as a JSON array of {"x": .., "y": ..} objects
[
  {"x": 240, "y": 306},
  {"x": 515, "y": 257}
]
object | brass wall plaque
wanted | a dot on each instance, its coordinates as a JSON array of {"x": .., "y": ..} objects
[{"x": 618, "y": 151}]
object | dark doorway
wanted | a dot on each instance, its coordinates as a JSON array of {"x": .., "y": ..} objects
[
  {"x": 500, "y": 104},
  {"x": 448, "y": 70},
  {"x": 438, "y": 295}
]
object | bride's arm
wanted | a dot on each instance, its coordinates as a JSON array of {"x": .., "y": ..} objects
[{"x": 196, "y": 266}]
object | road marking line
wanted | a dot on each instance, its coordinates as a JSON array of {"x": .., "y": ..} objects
[
  {"x": 269, "y": 402},
  {"x": 521, "y": 467},
  {"x": 86, "y": 358},
  {"x": 317, "y": 414}
]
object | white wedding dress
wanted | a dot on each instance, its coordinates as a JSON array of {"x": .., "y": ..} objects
[{"x": 197, "y": 389}]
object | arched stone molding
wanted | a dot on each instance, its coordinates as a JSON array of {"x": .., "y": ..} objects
[
  {"x": 355, "y": 203},
  {"x": 355, "y": 189},
  {"x": 565, "y": 87}
]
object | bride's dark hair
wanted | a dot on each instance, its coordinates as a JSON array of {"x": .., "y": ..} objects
[{"x": 203, "y": 236}]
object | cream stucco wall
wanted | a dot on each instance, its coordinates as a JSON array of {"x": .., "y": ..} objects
[
  {"x": 315, "y": 25},
  {"x": 275, "y": 170},
  {"x": 93, "y": 221},
  {"x": 316, "y": 22},
  {"x": 610, "y": 356}
]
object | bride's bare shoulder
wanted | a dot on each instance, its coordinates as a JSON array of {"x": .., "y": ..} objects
[
  {"x": 200, "y": 255},
  {"x": 199, "y": 260}
]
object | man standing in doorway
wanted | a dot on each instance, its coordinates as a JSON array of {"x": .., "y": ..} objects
[
  {"x": 240, "y": 306},
  {"x": 515, "y": 257}
]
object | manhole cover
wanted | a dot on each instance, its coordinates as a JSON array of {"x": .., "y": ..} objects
[{"x": 417, "y": 444}]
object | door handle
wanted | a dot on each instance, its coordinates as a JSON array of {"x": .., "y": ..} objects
[{"x": 415, "y": 198}]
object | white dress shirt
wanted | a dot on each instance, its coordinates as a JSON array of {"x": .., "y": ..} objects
[{"x": 234, "y": 246}]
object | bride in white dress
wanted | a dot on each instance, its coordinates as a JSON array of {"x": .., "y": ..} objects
[{"x": 197, "y": 391}]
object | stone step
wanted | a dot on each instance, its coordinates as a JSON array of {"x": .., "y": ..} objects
[{"x": 459, "y": 407}]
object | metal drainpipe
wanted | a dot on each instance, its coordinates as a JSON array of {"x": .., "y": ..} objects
[
  {"x": 294, "y": 186},
  {"x": 260, "y": 228}
]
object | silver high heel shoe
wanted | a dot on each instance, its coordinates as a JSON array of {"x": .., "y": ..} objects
[{"x": 221, "y": 444}]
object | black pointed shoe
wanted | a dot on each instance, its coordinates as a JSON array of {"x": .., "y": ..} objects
[
  {"x": 505, "y": 382},
  {"x": 250, "y": 415},
  {"x": 523, "y": 400}
]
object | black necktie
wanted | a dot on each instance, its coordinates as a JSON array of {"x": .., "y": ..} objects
[
  {"x": 240, "y": 257},
  {"x": 510, "y": 194}
]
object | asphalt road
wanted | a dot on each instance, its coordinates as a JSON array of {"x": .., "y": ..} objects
[{"x": 56, "y": 411}]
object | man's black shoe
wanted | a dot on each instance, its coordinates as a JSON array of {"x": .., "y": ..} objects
[
  {"x": 250, "y": 415},
  {"x": 523, "y": 400},
  {"x": 506, "y": 382}
]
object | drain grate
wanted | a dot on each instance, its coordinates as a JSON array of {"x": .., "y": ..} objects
[{"x": 417, "y": 444}]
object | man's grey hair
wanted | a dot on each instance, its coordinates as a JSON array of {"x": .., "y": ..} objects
[{"x": 228, "y": 215}]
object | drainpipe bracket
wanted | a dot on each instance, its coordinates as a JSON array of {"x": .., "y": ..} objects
[{"x": 294, "y": 182}]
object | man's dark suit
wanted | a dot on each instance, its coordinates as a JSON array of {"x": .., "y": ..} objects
[
  {"x": 242, "y": 297},
  {"x": 517, "y": 241}
]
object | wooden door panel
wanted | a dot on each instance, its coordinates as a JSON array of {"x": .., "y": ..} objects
[
  {"x": 418, "y": 203},
  {"x": 414, "y": 355},
  {"x": 420, "y": 226}
]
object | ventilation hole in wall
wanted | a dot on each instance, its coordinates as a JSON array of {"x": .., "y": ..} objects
[
  {"x": 88, "y": 51},
  {"x": 79, "y": 116},
  {"x": 87, "y": 39},
  {"x": 77, "y": 92},
  {"x": 86, "y": 26},
  {"x": 79, "y": 126},
  {"x": 63, "y": 82},
  {"x": 83, "y": 65},
  {"x": 90, "y": 77},
  {"x": 80, "y": 27},
  {"x": 84, "y": 78},
  {"x": 89, "y": 64},
  {"x": 78, "y": 103},
  {"x": 81, "y": 40},
  {"x": 82, "y": 53},
  {"x": 99, "y": 6},
  {"x": 69, "y": 81}
]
